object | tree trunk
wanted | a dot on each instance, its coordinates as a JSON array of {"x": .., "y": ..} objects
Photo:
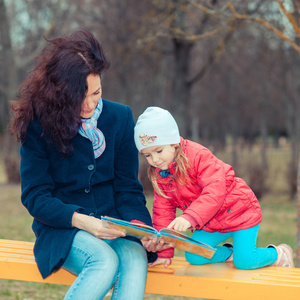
[
  {"x": 298, "y": 222},
  {"x": 297, "y": 164},
  {"x": 180, "y": 87},
  {"x": 296, "y": 137},
  {"x": 234, "y": 123},
  {"x": 264, "y": 135},
  {"x": 8, "y": 68}
]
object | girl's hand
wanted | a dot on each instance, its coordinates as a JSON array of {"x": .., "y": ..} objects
[
  {"x": 152, "y": 245},
  {"x": 161, "y": 261},
  {"x": 94, "y": 226},
  {"x": 180, "y": 224}
]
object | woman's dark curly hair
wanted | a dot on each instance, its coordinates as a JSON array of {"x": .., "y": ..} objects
[{"x": 54, "y": 90}]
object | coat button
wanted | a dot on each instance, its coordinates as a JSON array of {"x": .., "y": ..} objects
[
  {"x": 91, "y": 167},
  {"x": 171, "y": 181},
  {"x": 87, "y": 190},
  {"x": 229, "y": 210},
  {"x": 185, "y": 206}
]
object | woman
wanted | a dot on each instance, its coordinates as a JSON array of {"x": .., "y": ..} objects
[{"x": 78, "y": 163}]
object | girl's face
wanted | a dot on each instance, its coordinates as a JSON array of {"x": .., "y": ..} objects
[
  {"x": 92, "y": 96},
  {"x": 160, "y": 156}
]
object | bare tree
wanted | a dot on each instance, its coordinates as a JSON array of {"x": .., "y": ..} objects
[
  {"x": 196, "y": 33},
  {"x": 293, "y": 18},
  {"x": 22, "y": 27},
  {"x": 7, "y": 75}
]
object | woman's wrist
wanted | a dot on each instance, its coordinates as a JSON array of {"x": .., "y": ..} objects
[{"x": 78, "y": 220}]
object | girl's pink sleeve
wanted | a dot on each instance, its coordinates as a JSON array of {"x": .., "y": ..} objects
[
  {"x": 137, "y": 222},
  {"x": 167, "y": 253},
  {"x": 164, "y": 212}
]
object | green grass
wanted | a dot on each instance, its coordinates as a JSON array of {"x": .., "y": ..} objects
[{"x": 278, "y": 225}]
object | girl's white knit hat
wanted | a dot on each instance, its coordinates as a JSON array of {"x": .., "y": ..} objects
[{"x": 155, "y": 127}]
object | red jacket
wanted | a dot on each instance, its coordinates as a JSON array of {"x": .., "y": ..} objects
[{"x": 213, "y": 200}]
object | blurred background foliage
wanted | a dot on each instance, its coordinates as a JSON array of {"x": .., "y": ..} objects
[{"x": 227, "y": 70}]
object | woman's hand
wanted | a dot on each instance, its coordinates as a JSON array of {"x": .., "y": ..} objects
[
  {"x": 161, "y": 261},
  {"x": 180, "y": 224},
  {"x": 152, "y": 245},
  {"x": 94, "y": 226}
]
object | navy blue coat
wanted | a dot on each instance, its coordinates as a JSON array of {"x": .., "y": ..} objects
[{"x": 53, "y": 187}]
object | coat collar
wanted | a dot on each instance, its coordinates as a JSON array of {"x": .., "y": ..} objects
[{"x": 172, "y": 166}]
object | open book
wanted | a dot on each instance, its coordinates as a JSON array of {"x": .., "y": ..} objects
[{"x": 141, "y": 231}]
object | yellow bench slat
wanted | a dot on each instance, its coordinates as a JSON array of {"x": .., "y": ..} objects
[{"x": 213, "y": 281}]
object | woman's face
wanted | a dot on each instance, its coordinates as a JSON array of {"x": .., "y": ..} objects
[{"x": 93, "y": 94}]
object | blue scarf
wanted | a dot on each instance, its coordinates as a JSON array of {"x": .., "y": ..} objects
[
  {"x": 164, "y": 173},
  {"x": 89, "y": 130}
]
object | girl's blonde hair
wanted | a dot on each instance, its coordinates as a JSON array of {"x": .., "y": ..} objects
[{"x": 180, "y": 175}]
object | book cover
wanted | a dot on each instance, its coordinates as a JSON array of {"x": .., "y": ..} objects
[{"x": 178, "y": 239}]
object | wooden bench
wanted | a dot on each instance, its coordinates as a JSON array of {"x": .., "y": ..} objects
[{"x": 216, "y": 281}]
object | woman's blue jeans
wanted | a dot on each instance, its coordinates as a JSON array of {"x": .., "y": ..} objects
[
  {"x": 245, "y": 254},
  {"x": 101, "y": 263}
]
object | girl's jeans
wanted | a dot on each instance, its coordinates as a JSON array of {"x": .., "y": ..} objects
[
  {"x": 101, "y": 263},
  {"x": 245, "y": 254}
]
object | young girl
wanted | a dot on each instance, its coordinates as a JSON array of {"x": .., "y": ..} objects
[{"x": 216, "y": 205}]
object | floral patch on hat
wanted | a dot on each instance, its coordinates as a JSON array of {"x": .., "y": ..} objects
[{"x": 147, "y": 139}]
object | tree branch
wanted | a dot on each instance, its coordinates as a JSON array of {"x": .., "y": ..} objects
[
  {"x": 290, "y": 18},
  {"x": 212, "y": 57},
  {"x": 265, "y": 24},
  {"x": 24, "y": 61}
]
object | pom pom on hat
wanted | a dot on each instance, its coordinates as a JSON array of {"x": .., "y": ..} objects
[{"x": 155, "y": 127}]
